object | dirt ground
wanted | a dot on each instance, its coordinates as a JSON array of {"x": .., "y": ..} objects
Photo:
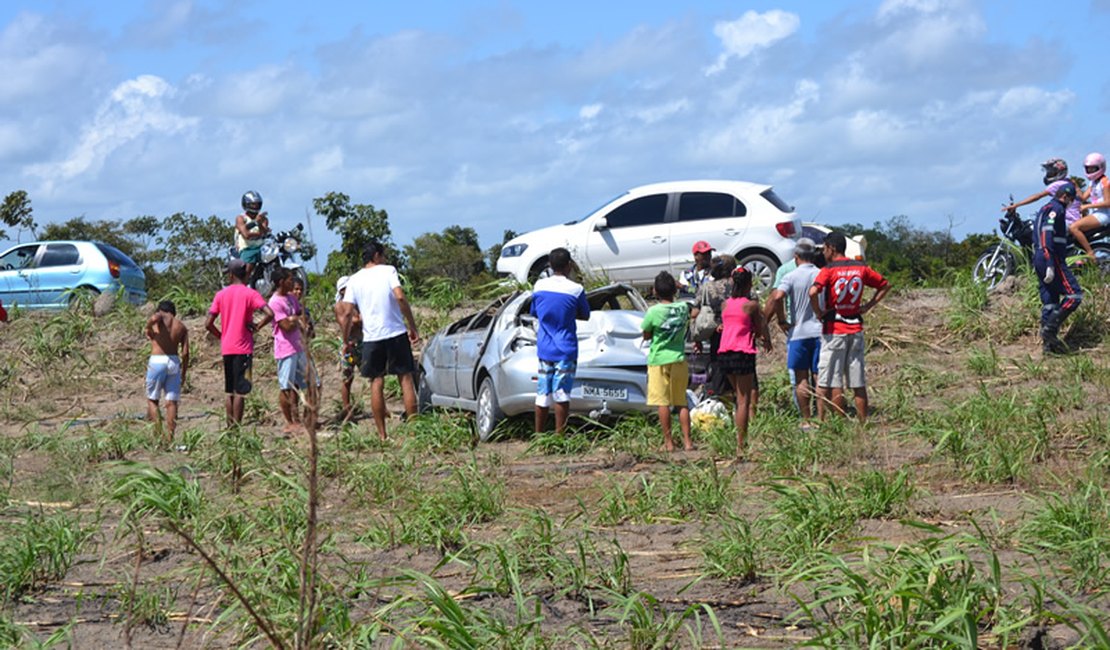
[{"x": 917, "y": 363}]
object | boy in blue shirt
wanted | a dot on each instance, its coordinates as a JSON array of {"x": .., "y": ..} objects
[{"x": 557, "y": 302}]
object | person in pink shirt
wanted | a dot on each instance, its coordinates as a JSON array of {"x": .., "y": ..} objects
[
  {"x": 292, "y": 362},
  {"x": 235, "y": 306},
  {"x": 741, "y": 323}
]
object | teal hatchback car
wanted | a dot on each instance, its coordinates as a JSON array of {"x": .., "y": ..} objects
[{"x": 49, "y": 274}]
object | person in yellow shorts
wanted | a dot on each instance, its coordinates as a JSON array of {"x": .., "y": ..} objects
[{"x": 665, "y": 326}]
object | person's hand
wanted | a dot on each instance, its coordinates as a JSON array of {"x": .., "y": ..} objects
[
  {"x": 1049, "y": 275},
  {"x": 697, "y": 347},
  {"x": 1007, "y": 208},
  {"x": 785, "y": 327},
  {"x": 414, "y": 337}
]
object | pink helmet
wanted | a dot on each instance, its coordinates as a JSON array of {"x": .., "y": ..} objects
[{"x": 1095, "y": 166}]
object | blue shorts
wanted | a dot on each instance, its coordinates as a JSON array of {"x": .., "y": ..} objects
[
  {"x": 291, "y": 371},
  {"x": 802, "y": 354},
  {"x": 555, "y": 380}
]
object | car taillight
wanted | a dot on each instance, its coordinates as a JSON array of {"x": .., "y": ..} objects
[
  {"x": 113, "y": 268},
  {"x": 786, "y": 228}
]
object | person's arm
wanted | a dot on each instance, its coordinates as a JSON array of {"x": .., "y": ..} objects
[
  {"x": 210, "y": 325},
  {"x": 150, "y": 322},
  {"x": 815, "y": 302},
  {"x": 241, "y": 226},
  {"x": 406, "y": 311},
  {"x": 263, "y": 225},
  {"x": 759, "y": 324},
  {"x": 583, "y": 307},
  {"x": 776, "y": 311},
  {"x": 267, "y": 316},
  {"x": 880, "y": 293},
  {"x": 184, "y": 354},
  {"x": 1026, "y": 201},
  {"x": 1105, "y": 196}
]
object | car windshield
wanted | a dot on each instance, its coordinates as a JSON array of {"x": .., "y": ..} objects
[
  {"x": 571, "y": 223},
  {"x": 776, "y": 200},
  {"x": 116, "y": 255}
]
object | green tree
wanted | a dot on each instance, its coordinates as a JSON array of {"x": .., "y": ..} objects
[
  {"x": 493, "y": 253},
  {"x": 356, "y": 224},
  {"x": 453, "y": 254},
  {"x": 18, "y": 213},
  {"x": 133, "y": 237},
  {"x": 193, "y": 252}
]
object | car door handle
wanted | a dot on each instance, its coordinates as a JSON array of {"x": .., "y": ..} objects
[
  {"x": 658, "y": 240},
  {"x": 732, "y": 232}
]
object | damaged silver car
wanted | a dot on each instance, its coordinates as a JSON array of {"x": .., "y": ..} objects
[{"x": 486, "y": 362}]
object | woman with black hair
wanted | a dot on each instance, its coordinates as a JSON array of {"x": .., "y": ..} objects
[{"x": 742, "y": 322}]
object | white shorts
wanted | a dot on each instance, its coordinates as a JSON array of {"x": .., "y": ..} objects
[
  {"x": 841, "y": 356},
  {"x": 163, "y": 374},
  {"x": 1103, "y": 217}
]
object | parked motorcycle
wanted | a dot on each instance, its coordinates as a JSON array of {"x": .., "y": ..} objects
[
  {"x": 280, "y": 250},
  {"x": 999, "y": 261}
]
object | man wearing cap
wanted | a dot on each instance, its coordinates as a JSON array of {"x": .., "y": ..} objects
[
  {"x": 698, "y": 274},
  {"x": 235, "y": 306},
  {"x": 802, "y": 329},
  {"x": 350, "y": 357},
  {"x": 1060, "y": 291}
]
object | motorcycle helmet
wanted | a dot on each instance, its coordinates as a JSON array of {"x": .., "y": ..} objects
[
  {"x": 1095, "y": 166},
  {"x": 252, "y": 202},
  {"x": 1054, "y": 170}
]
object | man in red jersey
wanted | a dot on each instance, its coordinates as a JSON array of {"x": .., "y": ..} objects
[{"x": 837, "y": 299}]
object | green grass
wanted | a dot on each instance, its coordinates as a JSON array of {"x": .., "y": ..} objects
[{"x": 1074, "y": 530}]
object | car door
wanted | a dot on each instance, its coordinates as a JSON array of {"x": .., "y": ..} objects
[
  {"x": 57, "y": 271},
  {"x": 15, "y": 274},
  {"x": 630, "y": 242},
  {"x": 716, "y": 217},
  {"x": 469, "y": 346}
]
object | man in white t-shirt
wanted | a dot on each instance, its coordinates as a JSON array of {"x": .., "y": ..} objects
[{"x": 375, "y": 294}]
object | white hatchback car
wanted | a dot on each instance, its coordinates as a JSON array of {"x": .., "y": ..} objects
[{"x": 654, "y": 227}]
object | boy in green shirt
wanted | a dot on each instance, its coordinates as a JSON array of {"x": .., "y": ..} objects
[{"x": 665, "y": 326}]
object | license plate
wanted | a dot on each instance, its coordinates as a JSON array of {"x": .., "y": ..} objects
[{"x": 601, "y": 392}]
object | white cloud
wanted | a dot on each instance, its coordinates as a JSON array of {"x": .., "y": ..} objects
[
  {"x": 752, "y": 31},
  {"x": 590, "y": 112},
  {"x": 1031, "y": 101},
  {"x": 134, "y": 109}
]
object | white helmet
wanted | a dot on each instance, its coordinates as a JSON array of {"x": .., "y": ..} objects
[{"x": 1095, "y": 166}]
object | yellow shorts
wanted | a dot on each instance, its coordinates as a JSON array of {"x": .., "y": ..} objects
[{"x": 667, "y": 384}]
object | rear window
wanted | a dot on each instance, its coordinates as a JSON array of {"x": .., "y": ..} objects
[
  {"x": 116, "y": 255},
  {"x": 776, "y": 200}
]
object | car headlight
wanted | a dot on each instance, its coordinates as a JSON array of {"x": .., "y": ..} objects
[
  {"x": 269, "y": 252},
  {"x": 516, "y": 250},
  {"x": 291, "y": 245}
]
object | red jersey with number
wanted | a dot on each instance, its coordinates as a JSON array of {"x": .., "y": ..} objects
[{"x": 841, "y": 283}]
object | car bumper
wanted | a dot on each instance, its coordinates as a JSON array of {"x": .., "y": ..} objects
[{"x": 617, "y": 389}]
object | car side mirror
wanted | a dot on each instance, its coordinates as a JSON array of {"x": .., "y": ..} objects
[{"x": 601, "y": 224}]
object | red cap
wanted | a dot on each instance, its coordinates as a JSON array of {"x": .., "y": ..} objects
[{"x": 702, "y": 247}]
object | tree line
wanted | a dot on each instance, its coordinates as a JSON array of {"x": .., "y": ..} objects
[{"x": 185, "y": 250}]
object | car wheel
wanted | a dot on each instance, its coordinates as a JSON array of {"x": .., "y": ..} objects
[
  {"x": 423, "y": 393},
  {"x": 537, "y": 269},
  {"x": 763, "y": 270},
  {"x": 82, "y": 297},
  {"x": 489, "y": 411}
]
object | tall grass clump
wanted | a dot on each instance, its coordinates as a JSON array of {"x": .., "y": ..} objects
[
  {"x": 36, "y": 550},
  {"x": 1074, "y": 528},
  {"x": 968, "y": 300},
  {"x": 930, "y": 594}
]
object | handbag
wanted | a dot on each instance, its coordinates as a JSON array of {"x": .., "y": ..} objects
[{"x": 705, "y": 324}]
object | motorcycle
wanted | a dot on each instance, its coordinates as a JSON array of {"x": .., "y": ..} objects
[
  {"x": 280, "y": 250},
  {"x": 999, "y": 261}
]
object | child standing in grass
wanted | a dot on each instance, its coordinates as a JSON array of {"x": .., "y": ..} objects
[
  {"x": 665, "y": 326},
  {"x": 741, "y": 323}
]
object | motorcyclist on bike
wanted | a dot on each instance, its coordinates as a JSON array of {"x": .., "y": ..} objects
[
  {"x": 1060, "y": 291},
  {"x": 251, "y": 227},
  {"x": 1055, "y": 177},
  {"x": 1095, "y": 201}
]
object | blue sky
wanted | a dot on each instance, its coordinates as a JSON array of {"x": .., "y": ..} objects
[{"x": 502, "y": 115}]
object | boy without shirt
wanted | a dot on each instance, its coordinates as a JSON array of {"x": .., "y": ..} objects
[{"x": 169, "y": 360}]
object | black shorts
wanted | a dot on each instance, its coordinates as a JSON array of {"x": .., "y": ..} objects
[
  {"x": 391, "y": 356},
  {"x": 736, "y": 363},
  {"x": 237, "y": 373}
]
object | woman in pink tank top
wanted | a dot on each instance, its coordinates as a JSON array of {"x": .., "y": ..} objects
[{"x": 742, "y": 322}]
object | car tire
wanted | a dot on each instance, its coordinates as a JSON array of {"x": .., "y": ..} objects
[
  {"x": 489, "y": 411},
  {"x": 423, "y": 393},
  {"x": 763, "y": 270},
  {"x": 83, "y": 296},
  {"x": 537, "y": 268}
]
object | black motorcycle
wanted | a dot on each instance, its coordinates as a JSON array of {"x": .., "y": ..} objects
[
  {"x": 999, "y": 261},
  {"x": 280, "y": 250}
]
